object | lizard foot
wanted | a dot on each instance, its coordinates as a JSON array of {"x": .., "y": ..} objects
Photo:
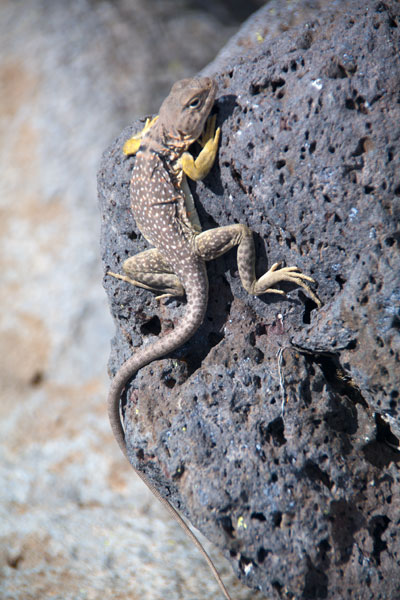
[{"x": 289, "y": 274}]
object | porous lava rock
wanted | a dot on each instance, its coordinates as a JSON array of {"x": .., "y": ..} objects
[{"x": 275, "y": 428}]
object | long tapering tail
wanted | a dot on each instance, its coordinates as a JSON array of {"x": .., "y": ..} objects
[{"x": 186, "y": 328}]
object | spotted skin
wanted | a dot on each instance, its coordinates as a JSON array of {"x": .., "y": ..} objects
[{"x": 165, "y": 214}]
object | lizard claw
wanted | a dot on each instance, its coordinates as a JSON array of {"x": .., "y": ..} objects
[{"x": 289, "y": 274}]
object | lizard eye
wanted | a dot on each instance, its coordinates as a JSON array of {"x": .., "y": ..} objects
[{"x": 195, "y": 103}]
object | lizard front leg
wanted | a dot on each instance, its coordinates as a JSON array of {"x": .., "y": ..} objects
[
  {"x": 151, "y": 271},
  {"x": 213, "y": 243},
  {"x": 198, "y": 168},
  {"x": 132, "y": 145}
]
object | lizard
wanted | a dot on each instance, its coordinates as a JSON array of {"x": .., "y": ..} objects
[{"x": 165, "y": 214}]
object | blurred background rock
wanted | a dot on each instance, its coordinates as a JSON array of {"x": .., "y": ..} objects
[{"x": 74, "y": 520}]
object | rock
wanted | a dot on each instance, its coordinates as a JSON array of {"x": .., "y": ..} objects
[
  {"x": 75, "y": 523},
  {"x": 274, "y": 429}
]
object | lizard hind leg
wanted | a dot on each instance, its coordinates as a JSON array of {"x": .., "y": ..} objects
[
  {"x": 149, "y": 270},
  {"x": 215, "y": 242}
]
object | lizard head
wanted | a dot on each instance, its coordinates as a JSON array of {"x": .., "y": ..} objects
[{"x": 186, "y": 108}]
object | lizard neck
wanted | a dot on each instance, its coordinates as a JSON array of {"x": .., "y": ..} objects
[{"x": 165, "y": 141}]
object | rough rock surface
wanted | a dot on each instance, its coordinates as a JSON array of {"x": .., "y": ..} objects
[
  {"x": 274, "y": 429},
  {"x": 75, "y": 523}
]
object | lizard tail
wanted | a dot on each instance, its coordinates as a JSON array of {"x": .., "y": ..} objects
[
  {"x": 195, "y": 310},
  {"x": 185, "y": 329}
]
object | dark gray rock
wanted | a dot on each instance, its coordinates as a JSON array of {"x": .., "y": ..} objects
[{"x": 274, "y": 429}]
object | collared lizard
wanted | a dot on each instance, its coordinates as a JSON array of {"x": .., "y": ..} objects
[{"x": 166, "y": 216}]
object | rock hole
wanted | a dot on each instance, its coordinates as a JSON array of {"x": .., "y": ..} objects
[
  {"x": 391, "y": 240},
  {"x": 313, "y": 472},
  {"x": 254, "y": 89},
  {"x": 277, "y": 518},
  {"x": 257, "y": 382},
  {"x": 152, "y": 326},
  {"x": 395, "y": 323},
  {"x": 245, "y": 564},
  {"x": 323, "y": 549},
  {"x": 289, "y": 241},
  {"x": 315, "y": 583},
  {"x": 377, "y": 527},
  {"x": 257, "y": 515},
  {"x": 309, "y": 306},
  {"x": 277, "y": 83},
  {"x": 274, "y": 432},
  {"x": 226, "y": 524},
  {"x": 261, "y": 555},
  {"x": 258, "y": 356},
  {"x": 169, "y": 381},
  {"x": 278, "y": 587}
]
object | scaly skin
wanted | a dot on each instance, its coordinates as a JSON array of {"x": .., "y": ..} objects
[{"x": 165, "y": 214}]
